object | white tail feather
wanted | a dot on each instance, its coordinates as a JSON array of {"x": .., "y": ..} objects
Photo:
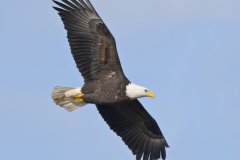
[{"x": 65, "y": 97}]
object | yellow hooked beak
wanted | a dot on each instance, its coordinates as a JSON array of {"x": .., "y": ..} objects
[{"x": 150, "y": 94}]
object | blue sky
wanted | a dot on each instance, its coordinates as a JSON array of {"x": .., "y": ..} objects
[{"x": 187, "y": 51}]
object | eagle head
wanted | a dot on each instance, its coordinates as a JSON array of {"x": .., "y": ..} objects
[{"x": 134, "y": 91}]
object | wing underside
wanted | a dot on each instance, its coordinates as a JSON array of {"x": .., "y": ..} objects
[
  {"x": 137, "y": 129},
  {"x": 92, "y": 44}
]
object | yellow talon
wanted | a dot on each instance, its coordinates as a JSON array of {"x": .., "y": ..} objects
[
  {"x": 80, "y": 95},
  {"x": 78, "y": 98}
]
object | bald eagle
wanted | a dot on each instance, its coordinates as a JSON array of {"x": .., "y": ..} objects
[{"x": 94, "y": 50}]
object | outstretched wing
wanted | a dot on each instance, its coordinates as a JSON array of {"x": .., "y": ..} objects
[
  {"x": 92, "y": 44},
  {"x": 136, "y": 128}
]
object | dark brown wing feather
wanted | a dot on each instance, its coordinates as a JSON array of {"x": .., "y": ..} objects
[
  {"x": 92, "y": 44},
  {"x": 136, "y": 128}
]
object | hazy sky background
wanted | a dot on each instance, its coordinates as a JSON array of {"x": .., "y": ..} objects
[{"x": 187, "y": 51}]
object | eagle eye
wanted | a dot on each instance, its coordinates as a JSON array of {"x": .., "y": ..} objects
[{"x": 146, "y": 90}]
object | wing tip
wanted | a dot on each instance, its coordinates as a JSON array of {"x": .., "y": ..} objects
[
  {"x": 70, "y": 5},
  {"x": 166, "y": 144},
  {"x": 56, "y": 8},
  {"x": 153, "y": 151}
]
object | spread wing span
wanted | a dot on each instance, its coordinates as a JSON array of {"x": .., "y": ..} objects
[
  {"x": 137, "y": 129},
  {"x": 92, "y": 45}
]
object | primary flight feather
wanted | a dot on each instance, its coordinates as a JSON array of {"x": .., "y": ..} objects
[{"x": 94, "y": 50}]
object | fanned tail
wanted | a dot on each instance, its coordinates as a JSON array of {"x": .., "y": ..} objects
[{"x": 66, "y": 97}]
